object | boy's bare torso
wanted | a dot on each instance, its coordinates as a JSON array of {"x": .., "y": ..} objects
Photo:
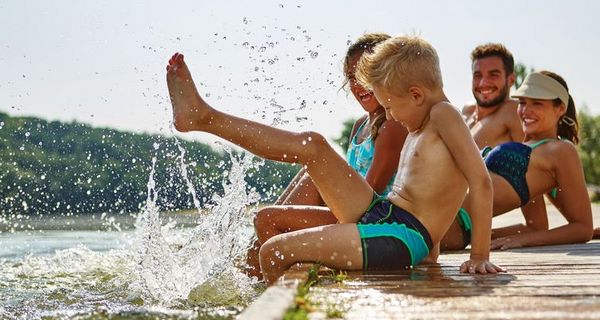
[{"x": 429, "y": 184}]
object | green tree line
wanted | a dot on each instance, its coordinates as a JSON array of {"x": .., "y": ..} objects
[{"x": 53, "y": 167}]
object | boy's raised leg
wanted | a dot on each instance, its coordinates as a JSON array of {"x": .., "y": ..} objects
[{"x": 344, "y": 191}]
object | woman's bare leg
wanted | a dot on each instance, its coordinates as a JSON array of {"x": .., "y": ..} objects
[
  {"x": 304, "y": 193},
  {"x": 290, "y": 187},
  {"x": 345, "y": 192},
  {"x": 337, "y": 246},
  {"x": 275, "y": 220}
]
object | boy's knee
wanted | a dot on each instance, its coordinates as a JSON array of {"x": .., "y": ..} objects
[
  {"x": 267, "y": 252},
  {"x": 314, "y": 142}
]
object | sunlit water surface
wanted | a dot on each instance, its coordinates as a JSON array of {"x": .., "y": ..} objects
[{"x": 149, "y": 265}]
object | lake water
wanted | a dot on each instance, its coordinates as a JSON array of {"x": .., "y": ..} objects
[
  {"x": 146, "y": 265},
  {"x": 90, "y": 272}
]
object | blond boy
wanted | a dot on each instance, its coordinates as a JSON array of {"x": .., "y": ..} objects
[{"x": 438, "y": 163}]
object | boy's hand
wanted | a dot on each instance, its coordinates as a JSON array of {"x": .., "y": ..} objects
[
  {"x": 508, "y": 242},
  {"x": 480, "y": 266}
]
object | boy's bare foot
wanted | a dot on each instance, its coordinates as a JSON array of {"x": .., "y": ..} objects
[{"x": 190, "y": 112}]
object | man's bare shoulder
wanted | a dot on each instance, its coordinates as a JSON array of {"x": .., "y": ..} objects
[
  {"x": 468, "y": 110},
  {"x": 509, "y": 107}
]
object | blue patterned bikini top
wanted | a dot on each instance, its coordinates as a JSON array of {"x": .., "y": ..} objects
[
  {"x": 510, "y": 160},
  {"x": 360, "y": 156}
]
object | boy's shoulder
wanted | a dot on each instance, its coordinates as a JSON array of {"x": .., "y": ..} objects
[
  {"x": 445, "y": 115},
  {"x": 442, "y": 109}
]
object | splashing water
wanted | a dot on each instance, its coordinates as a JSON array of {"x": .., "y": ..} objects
[
  {"x": 170, "y": 265},
  {"x": 159, "y": 269}
]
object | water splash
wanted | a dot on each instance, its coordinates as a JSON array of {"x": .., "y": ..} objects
[
  {"x": 181, "y": 265},
  {"x": 184, "y": 174}
]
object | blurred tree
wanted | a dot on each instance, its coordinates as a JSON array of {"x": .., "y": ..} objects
[
  {"x": 589, "y": 145},
  {"x": 521, "y": 71},
  {"x": 53, "y": 167}
]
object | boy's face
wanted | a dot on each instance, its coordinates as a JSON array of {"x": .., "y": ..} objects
[{"x": 396, "y": 107}]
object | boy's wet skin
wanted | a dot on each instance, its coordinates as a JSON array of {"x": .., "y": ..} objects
[{"x": 189, "y": 110}]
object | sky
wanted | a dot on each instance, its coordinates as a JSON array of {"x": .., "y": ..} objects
[{"x": 278, "y": 62}]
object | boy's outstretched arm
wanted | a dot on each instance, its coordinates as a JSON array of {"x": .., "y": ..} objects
[{"x": 457, "y": 138}]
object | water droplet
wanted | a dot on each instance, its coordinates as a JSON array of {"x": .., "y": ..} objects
[
  {"x": 245, "y": 44},
  {"x": 303, "y": 142},
  {"x": 156, "y": 145},
  {"x": 27, "y": 134},
  {"x": 309, "y": 138},
  {"x": 245, "y": 20},
  {"x": 349, "y": 263},
  {"x": 314, "y": 54}
]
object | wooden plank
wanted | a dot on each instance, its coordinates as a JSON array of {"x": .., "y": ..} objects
[{"x": 550, "y": 282}]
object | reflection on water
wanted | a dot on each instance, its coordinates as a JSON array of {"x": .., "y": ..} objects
[
  {"x": 46, "y": 242},
  {"x": 174, "y": 266}
]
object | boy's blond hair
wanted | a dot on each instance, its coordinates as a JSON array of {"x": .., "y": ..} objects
[{"x": 399, "y": 63}]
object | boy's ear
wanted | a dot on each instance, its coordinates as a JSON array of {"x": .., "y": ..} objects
[{"x": 417, "y": 94}]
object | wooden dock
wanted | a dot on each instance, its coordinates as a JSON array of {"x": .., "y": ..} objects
[{"x": 551, "y": 282}]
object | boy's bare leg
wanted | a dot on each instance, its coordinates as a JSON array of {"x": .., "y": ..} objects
[
  {"x": 345, "y": 192},
  {"x": 275, "y": 220},
  {"x": 337, "y": 246},
  {"x": 596, "y": 234}
]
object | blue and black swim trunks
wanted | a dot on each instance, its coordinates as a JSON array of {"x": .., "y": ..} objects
[{"x": 392, "y": 238}]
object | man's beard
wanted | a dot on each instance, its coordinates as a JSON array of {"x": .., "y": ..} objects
[{"x": 496, "y": 101}]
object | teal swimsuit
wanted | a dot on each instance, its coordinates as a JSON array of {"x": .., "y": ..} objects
[
  {"x": 391, "y": 237},
  {"x": 509, "y": 160},
  {"x": 360, "y": 155}
]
